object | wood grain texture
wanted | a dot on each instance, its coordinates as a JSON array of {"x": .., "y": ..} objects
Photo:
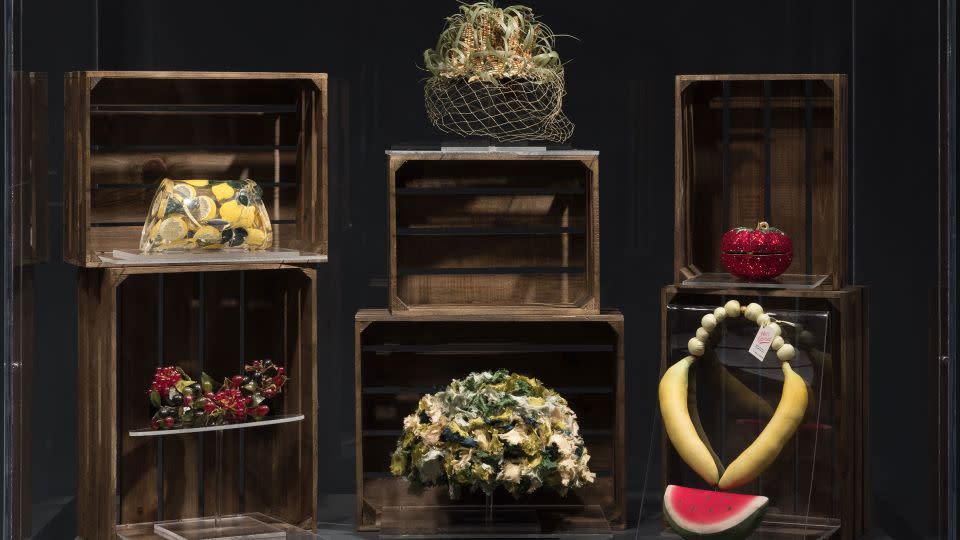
[
  {"x": 487, "y": 230},
  {"x": 730, "y": 133},
  {"x": 581, "y": 356},
  {"x": 128, "y": 128},
  {"x": 97, "y": 413},
  {"x": 191, "y": 319},
  {"x": 836, "y": 456}
]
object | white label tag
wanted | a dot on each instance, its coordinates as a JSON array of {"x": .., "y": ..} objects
[{"x": 761, "y": 343}]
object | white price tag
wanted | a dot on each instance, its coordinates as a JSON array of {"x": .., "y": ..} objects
[{"x": 761, "y": 343}]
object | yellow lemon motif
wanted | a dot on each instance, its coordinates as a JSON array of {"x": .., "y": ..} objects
[
  {"x": 247, "y": 215},
  {"x": 230, "y": 211},
  {"x": 197, "y": 183},
  {"x": 205, "y": 208},
  {"x": 207, "y": 234},
  {"x": 222, "y": 191},
  {"x": 183, "y": 243},
  {"x": 154, "y": 232},
  {"x": 255, "y": 237},
  {"x": 185, "y": 191},
  {"x": 173, "y": 228}
]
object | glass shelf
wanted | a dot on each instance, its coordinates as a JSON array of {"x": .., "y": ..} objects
[
  {"x": 282, "y": 419},
  {"x": 246, "y": 526},
  {"x": 507, "y": 521},
  {"x": 723, "y": 280},
  {"x": 773, "y": 527},
  {"x": 273, "y": 255}
]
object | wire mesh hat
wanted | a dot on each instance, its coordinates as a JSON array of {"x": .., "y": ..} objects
[{"x": 495, "y": 74}]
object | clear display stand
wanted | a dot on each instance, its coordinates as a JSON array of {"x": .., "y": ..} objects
[
  {"x": 198, "y": 256},
  {"x": 773, "y": 527},
  {"x": 735, "y": 395},
  {"x": 218, "y": 526},
  {"x": 490, "y": 521},
  {"x": 796, "y": 282}
]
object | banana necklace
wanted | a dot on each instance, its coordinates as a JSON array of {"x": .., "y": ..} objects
[{"x": 690, "y": 442}]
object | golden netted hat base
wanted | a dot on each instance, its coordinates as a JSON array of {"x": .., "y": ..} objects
[{"x": 509, "y": 109}]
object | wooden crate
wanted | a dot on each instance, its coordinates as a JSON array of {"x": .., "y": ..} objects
[
  {"x": 753, "y": 148},
  {"x": 488, "y": 230},
  {"x": 127, "y": 130},
  {"x": 399, "y": 358},
  {"x": 828, "y": 456},
  {"x": 131, "y": 320}
]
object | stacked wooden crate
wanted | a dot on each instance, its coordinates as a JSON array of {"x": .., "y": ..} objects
[
  {"x": 773, "y": 148},
  {"x": 494, "y": 263},
  {"x": 126, "y": 131}
]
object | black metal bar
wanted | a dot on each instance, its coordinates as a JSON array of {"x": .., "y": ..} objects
[
  {"x": 601, "y": 473},
  {"x": 578, "y": 190},
  {"x": 808, "y": 175},
  {"x": 118, "y": 339},
  {"x": 393, "y": 390},
  {"x": 767, "y": 165},
  {"x": 140, "y": 223},
  {"x": 193, "y": 148},
  {"x": 242, "y": 459},
  {"x": 201, "y": 349},
  {"x": 283, "y": 184},
  {"x": 160, "y": 355},
  {"x": 399, "y": 432},
  {"x": 727, "y": 166},
  {"x": 487, "y": 348},
  {"x": 491, "y": 270},
  {"x": 188, "y": 108},
  {"x": 488, "y": 231}
]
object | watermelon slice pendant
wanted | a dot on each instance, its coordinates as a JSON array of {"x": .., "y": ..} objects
[{"x": 712, "y": 515}]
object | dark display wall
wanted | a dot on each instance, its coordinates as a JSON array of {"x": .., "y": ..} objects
[{"x": 620, "y": 82}]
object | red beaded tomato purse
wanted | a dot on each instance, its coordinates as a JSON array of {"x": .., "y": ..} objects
[{"x": 761, "y": 253}]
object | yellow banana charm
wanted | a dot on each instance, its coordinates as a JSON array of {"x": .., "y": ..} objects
[
  {"x": 683, "y": 426},
  {"x": 765, "y": 449},
  {"x": 680, "y": 429}
]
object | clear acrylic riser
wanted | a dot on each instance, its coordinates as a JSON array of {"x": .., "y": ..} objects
[
  {"x": 199, "y": 256},
  {"x": 735, "y": 395},
  {"x": 723, "y": 280},
  {"x": 489, "y": 521},
  {"x": 773, "y": 527},
  {"x": 235, "y": 527},
  {"x": 253, "y": 526}
]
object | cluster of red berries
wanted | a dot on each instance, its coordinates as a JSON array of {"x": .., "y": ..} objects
[
  {"x": 164, "y": 379},
  {"x": 233, "y": 403},
  {"x": 196, "y": 404}
]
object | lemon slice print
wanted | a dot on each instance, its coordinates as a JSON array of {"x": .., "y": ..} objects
[
  {"x": 183, "y": 243},
  {"x": 184, "y": 190},
  {"x": 222, "y": 191},
  {"x": 230, "y": 211},
  {"x": 172, "y": 229},
  {"x": 255, "y": 237},
  {"x": 247, "y": 215},
  {"x": 154, "y": 233},
  {"x": 207, "y": 234},
  {"x": 204, "y": 208},
  {"x": 197, "y": 183}
]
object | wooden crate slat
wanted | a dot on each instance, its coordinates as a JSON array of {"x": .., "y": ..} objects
[
  {"x": 460, "y": 223},
  {"x": 579, "y": 356},
  {"x": 128, "y": 128},
  {"x": 753, "y": 148}
]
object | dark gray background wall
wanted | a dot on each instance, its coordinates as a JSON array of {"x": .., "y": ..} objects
[{"x": 620, "y": 81}]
